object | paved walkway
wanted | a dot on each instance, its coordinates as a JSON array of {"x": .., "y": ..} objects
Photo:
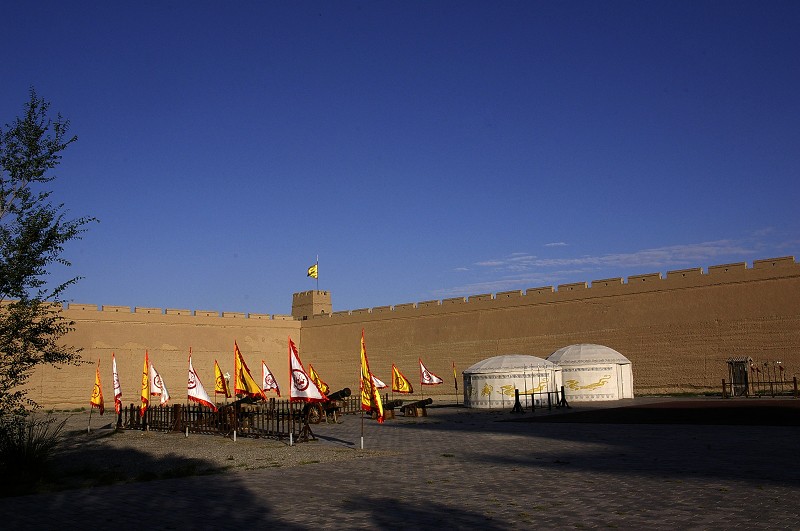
[{"x": 467, "y": 469}]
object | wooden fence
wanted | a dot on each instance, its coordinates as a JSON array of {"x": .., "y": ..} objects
[
  {"x": 761, "y": 387},
  {"x": 280, "y": 419}
]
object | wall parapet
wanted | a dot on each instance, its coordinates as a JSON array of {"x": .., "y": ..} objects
[
  {"x": 182, "y": 312},
  {"x": 683, "y": 273},
  {"x": 672, "y": 279},
  {"x": 141, "y": 310},
  {"x": 607, "y": 282},
  {"x": 116, "y": 309}
]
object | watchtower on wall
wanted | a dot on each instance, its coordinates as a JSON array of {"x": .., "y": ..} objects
[{"x": 308, "y": 303}]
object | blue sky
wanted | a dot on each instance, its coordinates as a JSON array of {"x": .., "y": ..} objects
[{"x": 423, "y": 150}]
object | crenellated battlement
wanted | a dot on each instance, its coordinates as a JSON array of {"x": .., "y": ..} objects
[
  {"x": 74, "y": 307},
  {"x": 674, "y": 279},
  {"x": 634, "y": 284}
]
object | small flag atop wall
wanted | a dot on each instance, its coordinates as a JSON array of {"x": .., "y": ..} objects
[{"x": 313, "y": 271}]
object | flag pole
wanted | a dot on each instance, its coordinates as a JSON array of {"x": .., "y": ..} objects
[
  {"x": 361, "y": 380},
  {"x": 317, "y": 279},
  {"x": 89, "y": 427},
  {"x": 455, "y": 381}
]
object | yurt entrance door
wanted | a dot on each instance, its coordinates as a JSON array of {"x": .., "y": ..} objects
[{"x": 737, "y": 371}]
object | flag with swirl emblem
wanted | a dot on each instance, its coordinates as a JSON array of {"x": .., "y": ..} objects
[
  {"x": 400, "y": 383},
  {"x": 268, "y": 381},
  {"x": 196, "y": 391},
  {"x": 370, "y": 399},
  {"x": 117, "y": 387},
  {"x": 426, "y": 377},
  {"x": 157, "y": 386},
  {"x": 97, "y": 392},
  {"x": 220, "y": 384},
  {"x": 145, "y": 385},
  {"x": 243, "y": 382},
  {"x": 301, "y": 387}
]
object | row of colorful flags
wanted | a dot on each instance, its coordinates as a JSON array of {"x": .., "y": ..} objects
[{"x": 305, "y": 386}]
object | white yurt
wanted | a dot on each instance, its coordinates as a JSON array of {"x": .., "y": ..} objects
[
  {"x": 593, "y": 372},
  {"x": 490, "y": 383}
]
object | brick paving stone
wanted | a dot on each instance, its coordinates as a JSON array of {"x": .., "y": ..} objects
[{"x": 465, "y": 469}]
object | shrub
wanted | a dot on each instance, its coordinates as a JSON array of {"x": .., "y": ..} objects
[{"x": 26, "y": 446}]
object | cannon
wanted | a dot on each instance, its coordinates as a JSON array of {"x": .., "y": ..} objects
[
  {"x": 392, "y": 404},
  {"x": 340, "y": 395},
  {"x": 388, "y": 408},
  {"x": 416, "y": 409},
  {"x": 317, "y": 411}
]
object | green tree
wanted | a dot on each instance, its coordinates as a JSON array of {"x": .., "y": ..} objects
[{"x": 33, "y": 232}]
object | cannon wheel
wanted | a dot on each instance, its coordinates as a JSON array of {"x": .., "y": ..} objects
[{"x": 315, "y": 413}]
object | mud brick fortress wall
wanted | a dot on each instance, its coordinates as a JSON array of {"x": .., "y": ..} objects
[{"x": 677, "y": 329}]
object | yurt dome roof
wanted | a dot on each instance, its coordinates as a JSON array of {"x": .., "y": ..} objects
[
  {"x": 508, "y": 362},
  {"x": 584, "y": 353}
]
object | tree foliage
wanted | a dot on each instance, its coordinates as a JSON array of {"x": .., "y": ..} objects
[{"x": 33, "y": 232}]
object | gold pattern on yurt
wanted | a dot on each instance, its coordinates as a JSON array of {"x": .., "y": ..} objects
[
  {"x": 509, "y": 389},
  {"x": 573, "y": 384}
]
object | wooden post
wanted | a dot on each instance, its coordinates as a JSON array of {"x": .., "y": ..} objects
[
  {"x": 724, "y": 390},
  {"x": 176, "y": 410},
  {"x": 517, "y": 406}
]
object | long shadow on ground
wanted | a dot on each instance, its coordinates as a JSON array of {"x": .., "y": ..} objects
[
  {"x": 125, "y": 488},
  {"x": 750, "y": 440},
  {"x": 694, "y": 412}
]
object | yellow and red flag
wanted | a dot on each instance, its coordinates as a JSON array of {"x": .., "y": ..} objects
[
  {"x": 220, "y": 384},
  {"x": 97, "y": 392},
  {"x": 323, "y": 387},
  {"x": 243, "y": 382},
  {"x": 370, "y": 399},
  {"x": 400, "y": 383},
  {"x": 455, "y": 376},
  {"x": 145, "y": 385}
]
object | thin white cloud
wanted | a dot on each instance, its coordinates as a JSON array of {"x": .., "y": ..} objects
[
  {"x": 556, "y": 244},
  {"x": 490, "y": 263},
  {"x": 524, "y": 271},
  {"x": 659, "y": 257},
  {"x": 521, "y": 270},
  {"x": 493, "y": 286}
]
